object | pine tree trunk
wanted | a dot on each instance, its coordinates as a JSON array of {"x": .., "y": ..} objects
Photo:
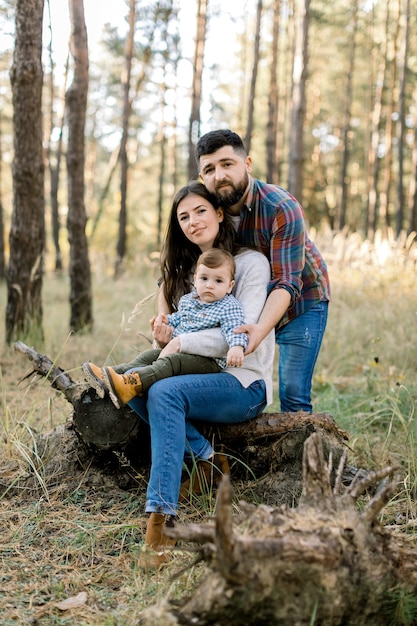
[
  {"x": 76, "y": 103},
  {"x": 27, "y": 232},
  {"x": 194, "y": 124},
  {"x": 298, "y": 100}
]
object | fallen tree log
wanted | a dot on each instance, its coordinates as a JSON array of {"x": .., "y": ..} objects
[
  {"x": 263, "y": 448},
  {"x": 326, "y": 561}
]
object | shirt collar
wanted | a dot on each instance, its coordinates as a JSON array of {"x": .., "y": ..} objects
[{"x": 250, "y": 196}]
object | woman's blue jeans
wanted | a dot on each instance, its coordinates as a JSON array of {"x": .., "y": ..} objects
[
  {"x": 168, "y": 408},
  {"x": 299, "y": 344}
]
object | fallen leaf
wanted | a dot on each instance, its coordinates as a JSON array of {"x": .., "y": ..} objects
[{"x": 73, "y": 602}]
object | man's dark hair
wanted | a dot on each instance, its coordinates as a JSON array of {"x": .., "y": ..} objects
[{"x": 216, "y": 139}]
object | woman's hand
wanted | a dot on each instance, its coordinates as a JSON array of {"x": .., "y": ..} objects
[{"x": 161, "y": 332}]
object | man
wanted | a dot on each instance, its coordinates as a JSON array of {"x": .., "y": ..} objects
[{"x": 270, "y": 218}]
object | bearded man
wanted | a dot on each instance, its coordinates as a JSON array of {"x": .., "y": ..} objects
[{"x": 268, "y": 218}]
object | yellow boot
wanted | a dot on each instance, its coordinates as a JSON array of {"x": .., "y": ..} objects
[
  {"x": 122, "y": 387},
  {"x": 153, "y": 555},
  {"x": 94, "y": 376}
]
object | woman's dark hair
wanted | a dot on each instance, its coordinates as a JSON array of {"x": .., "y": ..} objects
[{"x": 179, "y": 254}]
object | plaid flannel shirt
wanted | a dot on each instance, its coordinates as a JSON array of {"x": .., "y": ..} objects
[{"x": 273, "y": 221}]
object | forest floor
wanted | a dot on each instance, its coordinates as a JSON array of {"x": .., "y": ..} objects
[{"x": 70, "y": 557}]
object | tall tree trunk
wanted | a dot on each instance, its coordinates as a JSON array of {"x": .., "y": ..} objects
[
  {"x": 341, "y": 213},
  {"x": 272, "y": 123},
  {"x": 251, "y": 108},
  {"x": 412, "y": 188},
  {"x": 194, "y": 125},
  {"x": 373, "y": 161},
  {"x": 54, "y": 160},
  {"x": 27, "y": 233},
  {"x": 298, "y": 99},
  {"x": 54, "y": 174},
  {"x": 129, "y": 48},
  {"x": 384, "y": 199},
  {"x": 399, "y": 214},
  {"x": 76, "y": 104},
  {"x": 285, "y": 86},
  {"x": 2, "y": 250}
]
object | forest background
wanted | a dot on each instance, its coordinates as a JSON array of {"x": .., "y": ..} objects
[{"x": 325, "y": 97}]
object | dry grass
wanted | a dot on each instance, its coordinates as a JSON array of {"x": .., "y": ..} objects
[{"x": 54, "y": 546}]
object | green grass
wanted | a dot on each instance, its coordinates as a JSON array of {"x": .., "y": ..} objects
[{"x": 53, "y": 547}]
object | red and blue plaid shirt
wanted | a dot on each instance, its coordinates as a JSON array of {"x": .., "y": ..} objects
[{"x": 272, "y": 220}]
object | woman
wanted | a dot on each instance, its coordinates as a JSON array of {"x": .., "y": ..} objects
[{"x": 233, "y": 395}]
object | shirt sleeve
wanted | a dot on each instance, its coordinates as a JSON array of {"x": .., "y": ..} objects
[
  {"x": 287, "y": 248},
  {"x": 231, "y": 319}
]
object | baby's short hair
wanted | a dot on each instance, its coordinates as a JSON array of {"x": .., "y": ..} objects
[{"x": 214, "y": 257}]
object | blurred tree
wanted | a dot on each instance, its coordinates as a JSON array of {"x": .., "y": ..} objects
[
  {"x": 401, "y": 124},
  {"x": 27, "y": 233},
  {"x": 255, "y": 66},
  {"x": 53, "y": 152},
  {"x": 412, "y": 189},
  {"x": 2, "y": 250},
  {"x": 127, "y": 108},
  {"x": 298, "y": 99},
  {"x": 340, "y": 220},
  {"x": 391, "y": 107},
  {"x": 376, "y": 123},
  {"x": 76, "y": 104},
  {"x": 272, "y": 123},
  {"x": 194, "y": 124}
]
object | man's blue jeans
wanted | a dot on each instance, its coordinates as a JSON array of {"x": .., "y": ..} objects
[
  {"x": 168, "y": 408},
  {"x": 299, "y": 344}
]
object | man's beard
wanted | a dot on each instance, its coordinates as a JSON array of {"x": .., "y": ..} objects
[{"x": 234, "y": 196}]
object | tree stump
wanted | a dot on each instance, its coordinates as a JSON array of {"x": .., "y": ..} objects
[
  {"x": 324, "y": 562},
  {"x": 265, "y": 453}
]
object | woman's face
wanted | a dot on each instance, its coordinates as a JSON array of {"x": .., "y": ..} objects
[{"x": 199, "y": 220}]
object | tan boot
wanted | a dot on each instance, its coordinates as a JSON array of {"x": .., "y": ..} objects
[
  {"x": 153, "y": 555},
  {"x": 204, "y": 476},
  {"x": 94, "y": 376},
  {"x": 122, "y": 387}
]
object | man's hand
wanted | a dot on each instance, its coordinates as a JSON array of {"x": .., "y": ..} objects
[
  {"x": 171, "y": 348},
  {"x": 161, "y": 332},
  {"x": 254, "y": 333},
  {"x": 234, "y": 357},
  {"x": 276, "y": 304}
]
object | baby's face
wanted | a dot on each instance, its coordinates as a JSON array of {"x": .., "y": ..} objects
[{"x": 213, "y": 284}]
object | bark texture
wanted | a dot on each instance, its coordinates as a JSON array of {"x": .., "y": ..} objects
[
  {"x": 76, "y": 106},
  {"x": 27, "y": 232}
]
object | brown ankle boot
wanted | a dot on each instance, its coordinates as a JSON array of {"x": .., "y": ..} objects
[
  {"x": 204, "y": 476},
  {"x": 122, "y": 387},
  {"x": 94, "y": 376},
  {"x": 153, "y": 555}
]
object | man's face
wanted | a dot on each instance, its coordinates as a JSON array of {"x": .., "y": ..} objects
[{"x": 225, "y": 173}]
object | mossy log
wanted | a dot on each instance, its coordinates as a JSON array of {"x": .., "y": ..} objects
[{"x": 325, "y": 561}]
